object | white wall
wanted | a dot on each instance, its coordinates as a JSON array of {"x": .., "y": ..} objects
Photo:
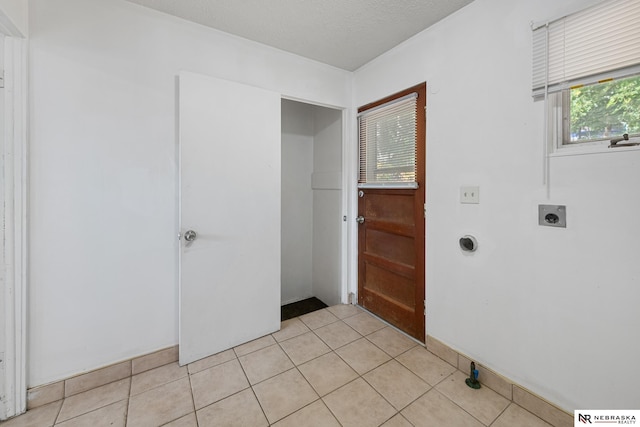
[
  {"x": 17, "y": 12},
  {"x": 327, "y": 205},
  {"x": 4, "y": 223},
  {"x": 552, "y": 309},
  {"x": 103, "y": 225},
  {"x": 297, "y": 201}
]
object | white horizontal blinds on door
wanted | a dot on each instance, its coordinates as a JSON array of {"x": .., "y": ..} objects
[
  {"x": 387, "y": 140},
  {"x": 597, "y": 43}
]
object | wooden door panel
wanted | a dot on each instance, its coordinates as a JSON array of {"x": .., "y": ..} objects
[
  {"x": 397, "y": 268},
  {"x": 392, "y": 206},
  {"x": 389, "y": 252},
  {"x": 392, "y": 297},
  {"x": 391, "y": 241},
  {"x": 396, "y": 248},
  {"x": 398, "y": 287}
]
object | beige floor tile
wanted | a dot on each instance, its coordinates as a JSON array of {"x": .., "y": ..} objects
[
  {"x": 314, "y": 415},
  {"x": 484, "y": 403},
  {"x": 113, "y": 415},
  {"x": 337, "y": 334},
  {"x": 217, "y": 383},
  {"x": 397, "y": 384},
  {"x": 156, "y": 377},
  {"x": 442, "y": 350},
  {"x": 42, "y": 395},
  {"x": 154, "y": 360},
  {"x": 211, "y": 361},
  {"x": 358, "y": 404},
  {"x": 362, "y": 356},
  {"x": 391, "y": 341},
  {"x": 342, "y": 311},
  {"x": 359, "y": 383},
  {"x": 254, "y": 345},
  {"x": 305, "y": 347},
  {"x": 514, "y": 415},
  {"x": 161, "y": 405},
  {"x": 318, "y": 319},
  {"x": 397, "y": 421},
  {"x": 43, "y": 416},
  {"x": 364, "y": 323},
  {"x": 327, "y": 373},
  {"x": 426, "y": 365},
  {"x": 240, "y": 410},
  {"x": 265, "y": 363},
  {"x": 186, "y": 421},
  {"x": 91, "y": 400},
  {"x": 96, "y": 378},
  {"x": 543, "y": 409},
  {"x": 434, "y": 409},
  {"x": 289, "y": 329},
  {"x": 284, "y": 394}
]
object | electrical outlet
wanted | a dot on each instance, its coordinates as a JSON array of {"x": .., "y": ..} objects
[
  {"x": 469, "y": 194},
  {"x": 552, "y": 215}
]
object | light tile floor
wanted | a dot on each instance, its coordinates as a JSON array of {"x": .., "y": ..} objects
[{"x": 335, "y": 367}]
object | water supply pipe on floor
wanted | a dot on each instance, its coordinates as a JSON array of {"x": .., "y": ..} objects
[{"x": 472, "y": 381}]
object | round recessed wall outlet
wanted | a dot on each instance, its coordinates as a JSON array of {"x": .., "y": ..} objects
[{"x": 468, "y": 243}]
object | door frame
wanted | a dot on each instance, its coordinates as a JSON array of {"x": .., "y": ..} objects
[
  {"x": 348, "y": 281},
  {"x": 13, "y": 274},
  {"x": 351, "y": 169}
]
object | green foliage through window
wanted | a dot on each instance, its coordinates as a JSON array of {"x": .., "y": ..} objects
[{"x": 605, "y": 110}]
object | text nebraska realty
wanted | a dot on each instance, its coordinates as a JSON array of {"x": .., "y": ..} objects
[{"x": 607, "y": 419}]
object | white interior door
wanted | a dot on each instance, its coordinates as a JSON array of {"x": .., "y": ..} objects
[{"x": 230, "y": 196}]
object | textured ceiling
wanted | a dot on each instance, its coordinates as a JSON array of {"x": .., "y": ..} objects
[{"x": 344, "y": 33}]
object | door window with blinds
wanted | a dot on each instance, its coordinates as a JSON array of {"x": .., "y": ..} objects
[
  {"x": 587, "y": 68},
  {"x": 387, "y": 136}
]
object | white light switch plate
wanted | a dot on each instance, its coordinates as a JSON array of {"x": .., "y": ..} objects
[{"x": 470, "y": 194}]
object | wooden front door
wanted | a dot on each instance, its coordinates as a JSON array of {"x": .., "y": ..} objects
[{"x": 391, "y": 242}]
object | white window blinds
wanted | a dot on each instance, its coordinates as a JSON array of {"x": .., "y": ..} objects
[
  {"x": 387, "y": 139},
  {"x": 598, "y": 43}
]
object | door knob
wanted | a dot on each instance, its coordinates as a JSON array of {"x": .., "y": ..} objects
[
  {"x": 190, "y": 236},
  {"x": 360, "y": 219}
]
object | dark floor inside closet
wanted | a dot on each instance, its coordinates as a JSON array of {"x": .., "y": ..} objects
[{"x": 295, "y": 309}]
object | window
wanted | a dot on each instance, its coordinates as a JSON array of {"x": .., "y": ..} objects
[
  {"x": 387, "y": 136},
  {"x": 587, "y": 67},
  {"x": 606, "y": 110}
]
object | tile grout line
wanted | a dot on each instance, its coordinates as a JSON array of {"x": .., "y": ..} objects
[
  {"x": 297, "y": 367},
  {"x": 332, "y": 350},
  {"x": 464, "y": 410},
  {"x": 510, "y": 401},
  {"x": 321, "y": 398},
  {"x": 126, "y": 411},
  {"x": 384, "y": 398},
  {"x": 85, "y": 413},
  {"x": 502, "y": 412},
  {"x": 193, "y": 399},
  {"x": 432, "y": 387},
  {"x": 55, "y": 421},
  {"x": 264, "y": 414},
  {"x": 301, "y": 374},
  {"x": 399, "y": 411},
  {"x": 360, "y": 376}
]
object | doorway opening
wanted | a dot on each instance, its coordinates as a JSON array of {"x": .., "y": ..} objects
[{"x": 311, "y": 216}]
